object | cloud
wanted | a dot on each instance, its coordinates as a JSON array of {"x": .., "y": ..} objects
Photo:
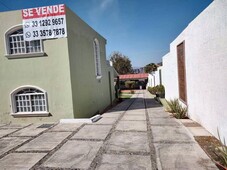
[
  {"x": 104, "y": 8},
  {"x": 105, "y": 4}
]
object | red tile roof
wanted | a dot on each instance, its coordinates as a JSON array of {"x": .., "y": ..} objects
[{"x": 133, "y": 76}]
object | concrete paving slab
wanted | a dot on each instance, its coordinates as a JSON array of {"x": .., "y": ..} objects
[
  {"x": 125, "y": 162},
  {"x": 45, "y": 142},
  {"x": 136, "y": 106},
  {"x": 20, "y": 161},
  {"x": 171, "y": 134},
  {"x": 199, "y": 131},
  {"x": 135, "y": 112},
  {"x": 16, "y": 126},
  {"x": 134, "y": 117},
  {"x": 69, "y": 127},
  {"x": 32, "y": 130},
  {"x": 155, "y": 109},
  {"x": 138, "y": 125},
  {"x": 74, "y": 154},
  {"x": 186, "y": 121},
  {"x": 183, "y": 156},
  {"x": 110, "y": 115},
  {"x": 4, "y": 132},
  {"x": 189, "y": 123},
  {"x": 158, "y": 114},
  {"x": 113, "y": 112},
  {"x": 1, "y": 125},
  {"x": 93, "y": 132},
  {"x": 153, "y": 104},
  {"x": 9, "y": 143},
  {"x": 105, "y": 120},
  {"x": 128, "y": 141},
  {"x": 122, "y": 106},
  {"x": 164, "y": 121}
]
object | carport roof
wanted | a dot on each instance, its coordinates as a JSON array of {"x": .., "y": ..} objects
[{"x": 133, "y": 76}]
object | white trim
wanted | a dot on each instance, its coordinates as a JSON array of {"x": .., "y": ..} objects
[
  {"x": 25, "y": 55},
  {"x": 36, "y": 113},
  {"x": 75, "y": 121},
  {"x": 30, "y": 114},
  {"x": 9, "y": 31},
  {"x": 26, "y": 86},
  {"x": 97, "y": 59},
  {"x": 88, "y": 120},
  {"x": 20, "y": 55},
  {"x": 98, "y": 77}
]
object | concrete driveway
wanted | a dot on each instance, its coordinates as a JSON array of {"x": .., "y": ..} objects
[{"x": 136, "y": 134}]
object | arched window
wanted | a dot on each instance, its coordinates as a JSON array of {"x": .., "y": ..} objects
[
  {"x": 97, "y": 59},
  {"x": 29, "y": 99},
  {"x": 16, "y": 45}
]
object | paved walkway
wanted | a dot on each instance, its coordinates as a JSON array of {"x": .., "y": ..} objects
[{"x": 136, "y": 134}]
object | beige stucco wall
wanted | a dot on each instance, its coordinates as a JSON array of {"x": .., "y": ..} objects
[
  {"x": 90, "y": 95},
  {"x": 50, "y": 73},
  {"x": 66, "y": 73}
]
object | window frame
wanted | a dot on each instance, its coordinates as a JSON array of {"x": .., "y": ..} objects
[
  {"x": 14, "y": 111},
  {"x": 97, "y": 56},
  {"x": 20, "y": 55}
]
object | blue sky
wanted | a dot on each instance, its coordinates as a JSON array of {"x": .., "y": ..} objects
[{"x": 140, "y": 29}]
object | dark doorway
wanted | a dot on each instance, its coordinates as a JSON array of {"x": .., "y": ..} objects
[{"x": 110, "y": 88}]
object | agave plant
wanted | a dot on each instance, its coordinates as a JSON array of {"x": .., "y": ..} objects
[
  {"x": 222, "y": 151},
  {"x": 177, "y": 109},
  {"x": 172, "y": 105}
]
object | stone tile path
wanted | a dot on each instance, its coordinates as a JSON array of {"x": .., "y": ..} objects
[{"x": 136, "y": 134}]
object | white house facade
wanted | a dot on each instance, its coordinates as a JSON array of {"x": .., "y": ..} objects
[{"x": 195, "y": 69}]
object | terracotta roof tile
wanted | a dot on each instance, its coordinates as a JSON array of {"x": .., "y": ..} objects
[{"x": 133, "y": 76}]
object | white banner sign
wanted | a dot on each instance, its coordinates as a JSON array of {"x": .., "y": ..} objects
[{"x": 44, "y": 22}]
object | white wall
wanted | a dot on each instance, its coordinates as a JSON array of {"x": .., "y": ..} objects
[
  {"x": 169, "y": 76},
  {"x": 206, "y": 68},
  {"x": 154, "y": 78},
  {"x": 157, "y": 77},
  {"x": 150, "y": 82}
]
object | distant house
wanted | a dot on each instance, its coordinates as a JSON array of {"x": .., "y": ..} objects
[
  {"x": 137, "y": 70},
  {"x": 155, "y": 78},
  {"x": 140, "y": 80},
  {"x": 195, "y": 69},
  {"x": 52, "y": 79}
]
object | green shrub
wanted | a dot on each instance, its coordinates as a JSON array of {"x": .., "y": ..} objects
[
  {"x": 149, "y": 89},
  {"x": 130, "y": 84},
  {"x": 177, "y": 109},
  {"x": 153, "y": 90},
  {"x": 160, "y": 89}
]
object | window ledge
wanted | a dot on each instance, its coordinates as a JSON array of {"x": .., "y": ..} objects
[
  {"x": 31, "y": 114},
  {"x": 25, "y": 55},
  {"x": 98, "y": 77}
]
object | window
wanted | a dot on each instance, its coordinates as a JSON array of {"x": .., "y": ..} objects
[
  {"x": 97, "y": 59},
  {"x": 29, "y": 100},
  {"x": 16, "y": 45}
]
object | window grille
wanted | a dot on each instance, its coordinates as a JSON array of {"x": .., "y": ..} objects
[
  {"x": 30, "y": 100},
  {"x": 97, "y": 58},
  {"x": 17, "y": 45}
]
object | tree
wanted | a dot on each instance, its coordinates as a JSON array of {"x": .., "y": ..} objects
[
  {"x": 121, "y": 63},
  {"x": 150, "y": 67}
]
